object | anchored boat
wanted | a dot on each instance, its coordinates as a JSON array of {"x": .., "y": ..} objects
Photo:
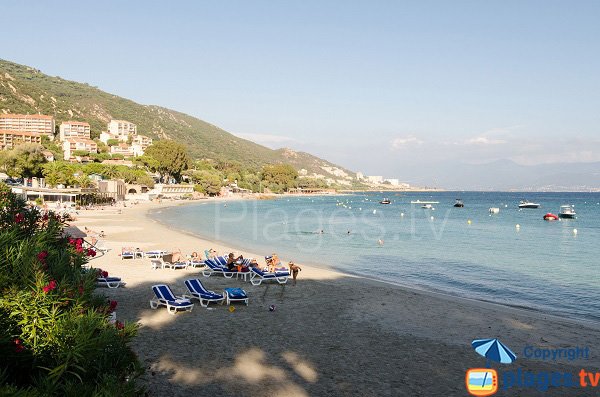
[{"x": 567, "y": 212}]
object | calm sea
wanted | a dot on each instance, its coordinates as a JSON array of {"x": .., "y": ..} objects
[{"x": 552, "y": 266}]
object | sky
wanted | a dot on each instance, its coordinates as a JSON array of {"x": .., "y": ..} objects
[{"x": 381, "y": 87}]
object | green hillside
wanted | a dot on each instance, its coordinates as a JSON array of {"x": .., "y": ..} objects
[{"x": 28, "y": 91}]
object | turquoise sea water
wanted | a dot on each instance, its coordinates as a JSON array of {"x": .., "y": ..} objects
[{"x": 540, "y": 265}]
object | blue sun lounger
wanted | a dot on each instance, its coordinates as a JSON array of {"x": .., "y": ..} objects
[
  {"x": 212, "y": 267},
  {"x": 258, "y": 276},
  {"x": 236, "y": 295},
  {"x": 198, "y": 291},
  {"x": 110, "y": 282},
  {"x": 165, "y": 297}
]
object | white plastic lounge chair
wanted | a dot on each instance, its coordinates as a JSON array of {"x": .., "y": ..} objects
[
  {"x": 127, "y": 253},
  {"x": 174, "y": 265},
  {"x": 258, "y": 276},
  {"x": 195, "y": 263},
  {"x": 156, "y": 254},
  {"x": 161, "y": 264},
  {"x": 156, "y": 264},
  {"x": 198, "y": 291},
  {"x": 236, "y": 295},
  {"x": 165, "y": 297},
  {"x": 110, "y": 282}
]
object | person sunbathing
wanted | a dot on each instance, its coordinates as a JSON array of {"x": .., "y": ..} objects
[
  {"x": 272, "y": 262},
  {"x": 177, "y": 256}
]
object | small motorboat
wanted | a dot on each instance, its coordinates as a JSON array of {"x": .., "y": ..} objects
[
  {"x": 567, "y": 212},
  {"x": 385, "y": 201},
  {"x": 494, "y": 210},
  {"x": 427, "y": 206},
  {"x": 528, "y": 204},
  {"x": 459, "y": 203},
  {"x": 550, "y": 217}
]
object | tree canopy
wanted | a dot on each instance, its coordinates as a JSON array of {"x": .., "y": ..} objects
[
  {"x": 168, "y": 158},
  {"x": 25, "y": 160}
]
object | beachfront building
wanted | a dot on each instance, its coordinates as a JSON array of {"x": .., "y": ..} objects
[
  {"x": 32, "y": 123},
  {"x": 74, "y": 129},
  {"x": 121, "y": 129},
  {"x": 393, "y": 181},
  {"x": 11, "y": 138},
  {"x": 70, "y": 146}
]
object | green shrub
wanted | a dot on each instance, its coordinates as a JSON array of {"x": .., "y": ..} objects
[{"x": 55, "y": 336}]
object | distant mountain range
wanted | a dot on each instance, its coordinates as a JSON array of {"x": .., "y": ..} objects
[
  {"x": 508, "y": 175},
  {"x": 26, "y": 90}
]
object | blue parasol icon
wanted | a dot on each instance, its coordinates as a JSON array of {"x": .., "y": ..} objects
[{"x": 494, "y": 350}]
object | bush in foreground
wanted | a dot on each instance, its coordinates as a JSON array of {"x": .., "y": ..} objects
[{"x": 55, "y": 333}]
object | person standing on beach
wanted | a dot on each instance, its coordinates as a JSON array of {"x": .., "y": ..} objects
[{"x": 294, "y": 269}]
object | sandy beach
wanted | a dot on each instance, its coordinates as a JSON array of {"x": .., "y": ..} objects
[{"x": 331, "y": 335}]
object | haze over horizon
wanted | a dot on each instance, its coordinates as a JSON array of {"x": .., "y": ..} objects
[{"x": 387, "y": 89}]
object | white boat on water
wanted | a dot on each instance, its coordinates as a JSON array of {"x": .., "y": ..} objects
[
  {"x": 424, "y": 202},
  {"x": 567, "y": 212},
  {"x": 427, "y": 206},
  {"x": 528, "y": 204}
]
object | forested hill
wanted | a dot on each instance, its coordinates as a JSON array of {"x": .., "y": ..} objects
[{"x": 27, "y": 90}]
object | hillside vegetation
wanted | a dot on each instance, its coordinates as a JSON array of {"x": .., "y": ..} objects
[{"x": 28, "y": 91}]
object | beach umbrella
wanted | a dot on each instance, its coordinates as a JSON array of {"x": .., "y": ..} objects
[{"x": 494, "y": 350}]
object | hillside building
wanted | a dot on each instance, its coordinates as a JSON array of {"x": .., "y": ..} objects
[
  {"x": 142, "y": 140},
  {"x": 32, "y": 123},
  {"x": 121, "y": 129},
  {"x": 74, "y": 144},
  {"x": 122, "y": 148},
  {"x": 11, "y": 138},
  {"x": 74, "y": 129}
]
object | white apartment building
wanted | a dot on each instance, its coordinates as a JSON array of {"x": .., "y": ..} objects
[
  {"x": 10, "y": 138},
  {"x": 121, "y": 129},
  {"x": 73, "y": 144},
  {"x": 142, "y": 140},
  {"x": 33, "y": 123},
  {"x": 122, "y": 148},
  {"x": 74, "y": 129}
]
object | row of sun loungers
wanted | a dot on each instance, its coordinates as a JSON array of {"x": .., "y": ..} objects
[
  {"x": 218, "y": 265},
  {"x": 163, "y": 296}
]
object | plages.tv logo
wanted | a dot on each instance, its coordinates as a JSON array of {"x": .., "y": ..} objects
[{"x": 484, "y": 381}]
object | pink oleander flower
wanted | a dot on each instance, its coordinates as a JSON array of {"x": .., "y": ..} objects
[
  {"x": 104, "y": 273},
  {"x": 19, "y": 218},
  {"x": 91, "y": 252},
  {"x": 112, "y": 306},
  {"x": 19, "y": 346},
  {"x": 49, "y": 287},
  {"x": 42, "y": 256},
  {"x": 79, "y": 249},
  {"x": 119, "y": 325}
]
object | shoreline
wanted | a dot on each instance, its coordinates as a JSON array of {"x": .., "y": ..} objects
[
  {"x": 332, "y": 334},
  {"x": 537, "y": 311}
]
